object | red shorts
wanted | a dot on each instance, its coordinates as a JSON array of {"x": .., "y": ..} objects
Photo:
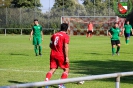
[{"x": 58, "y": 61}]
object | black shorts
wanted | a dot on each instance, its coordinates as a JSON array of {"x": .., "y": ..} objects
[
  {"x": 115, "y": 42},
  {"x": 127, "y": 35},
  {"x": 89, "y": 32}
]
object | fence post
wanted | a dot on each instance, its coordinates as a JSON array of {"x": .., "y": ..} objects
[
  {"x": 118, "y": 82},
  {"x": 5, "y": 32},
  {"x": 21, "y": 31}
]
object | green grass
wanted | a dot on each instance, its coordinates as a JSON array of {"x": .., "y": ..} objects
[{"x": 88, "y": 56}]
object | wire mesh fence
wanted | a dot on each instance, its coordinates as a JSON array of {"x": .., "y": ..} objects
[{"x": 50, "y": 18}]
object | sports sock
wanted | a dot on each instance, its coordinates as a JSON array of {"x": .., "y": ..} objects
[
  {"x": 35, "y": 49},
  {"x": 40, "y": 49},
  {"x": 48, "y": 76},
  {"x": 64, "y": 75},
  {"x": 113, "y": 50},
  {"x": 127, "y": 41},
  {"x": 118, "y": 49}
]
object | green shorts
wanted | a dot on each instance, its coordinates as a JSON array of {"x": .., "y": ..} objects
[{"x": 37, "y": 40}]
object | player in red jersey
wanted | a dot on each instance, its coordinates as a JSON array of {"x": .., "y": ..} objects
[
  {"x": 59, "y": 53},
  {"x": 90, "y": 29}
]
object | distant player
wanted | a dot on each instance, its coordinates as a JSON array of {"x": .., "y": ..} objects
[
  {"x": 127, "y": 30},
  {"x": 114, "y": 33},
  {"x": 37, "y": 37},
  {"x": 90, "y": 29},
  {"x": 59, "y": 53}
]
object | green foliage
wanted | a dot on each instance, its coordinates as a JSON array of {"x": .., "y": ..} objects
[
  {"x": 5, "y": 3},
  {"x": 26, "y": 3}
]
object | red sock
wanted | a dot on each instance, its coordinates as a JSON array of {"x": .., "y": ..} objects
[
  {"x": 64, "y": 75},
  {"x": 48, "y": 76}
]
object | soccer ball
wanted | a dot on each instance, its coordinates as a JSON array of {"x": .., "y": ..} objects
[{"x": 81, "y": 82}]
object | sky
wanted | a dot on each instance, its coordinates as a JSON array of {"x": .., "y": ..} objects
[{"x": 47, "y": 4}]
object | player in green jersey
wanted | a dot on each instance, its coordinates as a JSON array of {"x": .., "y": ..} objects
[
  {"x": 37, "y": 37},
  {"x": 114, "y": 33},
  {"x": 127, "y": 30}
]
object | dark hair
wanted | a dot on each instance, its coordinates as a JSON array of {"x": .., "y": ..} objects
[
  {"x": 64, "y": 27},
  {"x": 35, "y": 19}
]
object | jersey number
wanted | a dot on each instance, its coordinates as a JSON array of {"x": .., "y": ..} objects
[{"x": 56, "y": 40}]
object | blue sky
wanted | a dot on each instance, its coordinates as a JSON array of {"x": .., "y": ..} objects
[{"x": 49, "y": 3}]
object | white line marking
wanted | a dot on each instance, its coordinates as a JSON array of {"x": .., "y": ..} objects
[{"x": 17, "y": 70}]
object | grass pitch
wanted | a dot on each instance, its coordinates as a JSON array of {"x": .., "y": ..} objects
[{"x": 88, "y": 56}]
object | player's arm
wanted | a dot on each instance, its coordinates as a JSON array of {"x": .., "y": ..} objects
[
  {"x": 132, "y": 30},
  {"x": 121, "y": 33},
  {"x": 66, "y": 52},
  {"x": 109, "y": 34},
  {"x": 50, "y": 44},
  {"x": 42, "y": 33},
  {"x": 123, "y": 30},
  {"x": 31, "y": 33}
]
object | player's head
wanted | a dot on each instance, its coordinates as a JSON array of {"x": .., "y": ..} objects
[
  {"x": 116, "y": 25},
  {"x": 35, "y": 21},
  {"x": 64, "y": 27},
  {"x": 127, "y": 22}
]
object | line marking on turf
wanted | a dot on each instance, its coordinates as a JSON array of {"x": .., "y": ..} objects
[{"x": 29, "y": 71}]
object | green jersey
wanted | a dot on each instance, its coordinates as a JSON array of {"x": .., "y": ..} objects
[
  {"x": 37, "y": 30},
  {"x": 115, "y": 33},
  {"x": 128, "y": 28}
]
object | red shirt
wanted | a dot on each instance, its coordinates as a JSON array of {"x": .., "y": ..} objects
[
  {"x": 58, "y": 41},
  {"x": 90, "y": 26}
]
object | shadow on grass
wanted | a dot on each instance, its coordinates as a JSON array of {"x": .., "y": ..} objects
[
  {"x": 19, "y": 54},
  {"x": 17, "y": 82},
  {"x": 93, "y": 67}
]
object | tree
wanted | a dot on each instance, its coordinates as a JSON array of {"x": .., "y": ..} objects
[
  {"x": 5, "y": 3},
  {"x": 98, "y": 7},
  {"x": 64, "y": 8},
  {"x": 26, "y": 3}
]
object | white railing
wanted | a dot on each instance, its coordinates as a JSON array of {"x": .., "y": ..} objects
[
  {"x": 21, "y": 29},
  {"x": 87, "y": 78}
]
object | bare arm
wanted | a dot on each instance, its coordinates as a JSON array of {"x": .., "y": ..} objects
[
  {"x": 66, "y": 52},
  {"x": 31, "y": 34},
  {"x": 110, "y": 35}
]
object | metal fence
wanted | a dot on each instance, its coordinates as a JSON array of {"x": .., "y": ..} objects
[
  {"x": 23, "y": 17},
  {"x": 87, "y": 78}
]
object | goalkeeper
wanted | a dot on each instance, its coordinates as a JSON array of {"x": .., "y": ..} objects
[
  {"x": 37, "y": 37},
  {"x": 90, "y": 29}
]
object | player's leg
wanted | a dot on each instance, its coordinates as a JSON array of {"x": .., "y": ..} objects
[
  {"x": 91, "y": 34},
  {"x": 39, "y": 41},
  {"x": 49, "y": 74},
  {"x": 65, "y": 73},
  {"x": 36, "y": 50},
  {"x": 35, "y": 45},
  {"x": 65, "y": 67},
  {"x": 113, "y": 46},
  {"x": 127, "y": 38},
  {"x": 53, "y": 67},
  {"x": 118, "y": 47},
  {"x": 87, "y": 34}
]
